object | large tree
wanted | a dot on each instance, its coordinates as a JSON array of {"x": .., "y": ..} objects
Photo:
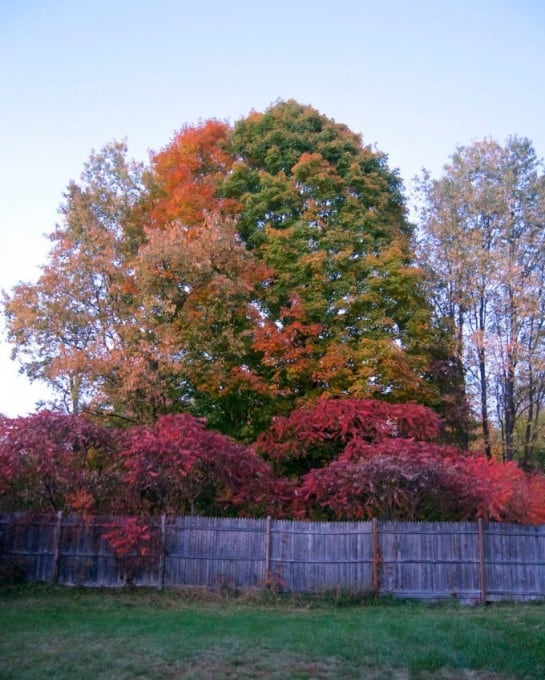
[
  {"x": 68, "y": 328},
  {"x": 335, "y": 303},
  {"x": 248, "y": 270},
  {"x": 484, "y": 245}
]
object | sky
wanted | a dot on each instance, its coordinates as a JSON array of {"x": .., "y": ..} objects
[{"x": 416, "y": 78}]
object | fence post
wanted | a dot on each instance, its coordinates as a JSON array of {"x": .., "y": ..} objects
[
  {"x": 376, "y": 556},
  {"x": 267, "y": 549},
  {"x": 482, "y": 563},
  {"x": 162, "y": 551},
  {"x": 55, "y": 567}
]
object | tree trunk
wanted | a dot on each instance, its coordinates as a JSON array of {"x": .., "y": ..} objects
[
  {"x": 484, "y": 403},
  {"x": 481, "y": 354}
]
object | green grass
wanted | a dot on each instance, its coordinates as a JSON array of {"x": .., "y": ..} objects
[{"x": 80, "y": 634}]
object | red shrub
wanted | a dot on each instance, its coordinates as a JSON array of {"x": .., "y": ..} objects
[
  {"x": 179, "y": 467},
  {"x": 52, "y": 461},
  {"x": 312, "y": 437}
]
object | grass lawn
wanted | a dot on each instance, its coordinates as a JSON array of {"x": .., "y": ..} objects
[{"x": 79, "y": 634}]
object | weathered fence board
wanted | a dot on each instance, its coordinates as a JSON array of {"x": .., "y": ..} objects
[
  {"x": 33, "y": 543},
  {"x": 313, "y": 556},
  {"x": 515, "y": 562},
  {"x": 85, "y": 556},
  {"x": 471, "y": 561},
  {"x": 430, "y": 560},
  {"x": 215, "y": 552}
]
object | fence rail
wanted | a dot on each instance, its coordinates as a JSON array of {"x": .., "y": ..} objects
[{"x": 472, "y": 561}]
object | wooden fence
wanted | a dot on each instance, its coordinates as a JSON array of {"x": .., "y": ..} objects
[{"x": 471, "y": 561}]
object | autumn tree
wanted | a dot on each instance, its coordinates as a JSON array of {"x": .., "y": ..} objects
[
  {"x": 71, "y": 328},
  {"x": 330, "y": 300},
  {"x": 484, "y": 245},
  {"x": 248, "y": 270},
  {"x": 326, "y": 215}
]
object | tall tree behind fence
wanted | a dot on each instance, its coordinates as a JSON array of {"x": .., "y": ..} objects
[{"x": 472, "y": 561}]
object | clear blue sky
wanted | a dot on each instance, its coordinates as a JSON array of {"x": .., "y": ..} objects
[{"x": 415, "y": 77}]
